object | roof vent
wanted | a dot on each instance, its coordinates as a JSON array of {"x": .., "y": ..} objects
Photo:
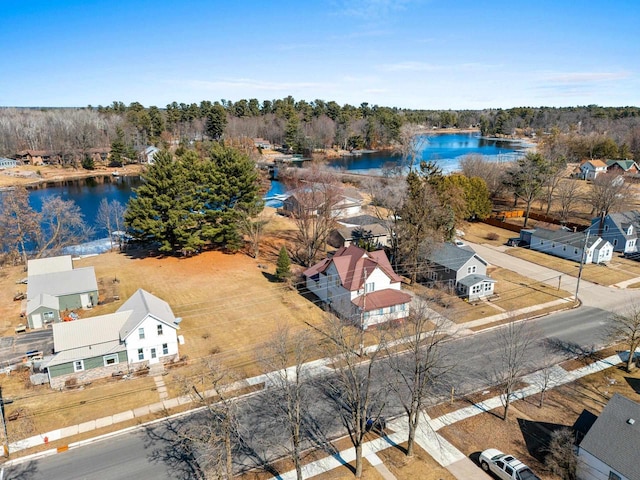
[{"x": 631, "y": 421}]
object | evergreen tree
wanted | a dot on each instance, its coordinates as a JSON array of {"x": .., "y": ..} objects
[
  {"x": 283, "y": 267},
  {"x": 216, "y": 122},
  {"x": 191, "y": 202},
  {"x": 118, "y": 149}
]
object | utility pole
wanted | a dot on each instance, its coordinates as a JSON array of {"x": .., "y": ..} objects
[
  {"x": 582, "y": 260},
  {"x": 5, "y": 444}
]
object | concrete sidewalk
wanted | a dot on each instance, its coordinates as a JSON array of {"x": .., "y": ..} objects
[{"x": 441, "y": 450}]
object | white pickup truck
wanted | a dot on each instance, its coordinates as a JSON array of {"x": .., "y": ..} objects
[{"x": 505, "y": 467}]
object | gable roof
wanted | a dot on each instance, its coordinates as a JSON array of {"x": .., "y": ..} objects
[
  {"x": 360, "y": 220},
  {"x": 623, "y": 219},
  {"x": 362, "y": 231},
  {"x": 453, "y": 257},
  {"x": 474, "y": 279},
  {"x": 40, "y": 266},
  {"x": 86, "y": 338},
  {"x": 565, "y": 237},
  {"x": 142, "y": 304},
  {"x": 352, "y": 263},
  {"x": 594, "y": 163},
  {"x": 95, "y": 336},
  {"x": 613, "y": 439},
  {"x": 625, "y": 165},
  {"x": 42, "y": 300},
  {"x": 67, "y": 282}
]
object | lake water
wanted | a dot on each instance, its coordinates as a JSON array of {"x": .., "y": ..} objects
[{"x": 445, "y": 149}]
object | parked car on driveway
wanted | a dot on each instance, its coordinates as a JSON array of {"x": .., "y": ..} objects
[{"x": 505, "y": 467}]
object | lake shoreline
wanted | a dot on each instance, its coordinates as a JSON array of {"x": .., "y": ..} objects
[{"x": 35, "y": 177}]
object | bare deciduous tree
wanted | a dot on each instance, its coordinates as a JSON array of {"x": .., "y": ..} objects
[
  {"x": 110, "y": 216},
  {"x": 515, "y": 341},
  {"x": 388, "y": 194},
  {"x": 561, "y": 457},
  {"x": 608, "y": 192},
  {"x": 625, "y": 328},
  {"x": 313, "y": 200},
  {"x": 62, "y": 225},
  {"x": 283, "y": 361},
  {"x": 567, "y": 195},
  {"x": 420, "y": 363},
  {"x": 490, "y": 171},
  {"x": 253, "y": 228},
  {"x": 19, "y": 222},
  {"x": 352, "y": 388},
  {"x": 215, "y": 431}
]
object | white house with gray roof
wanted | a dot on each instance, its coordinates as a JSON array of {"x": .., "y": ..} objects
[
  {"x": 576, "y": 246},
  {"x": 460, "y": 268},
  {"x": 609, "y": 450},
  {"x": 143, "y": 331},
  {"x": 619, "y": 229},
  {"x": 54, "y": 286}
]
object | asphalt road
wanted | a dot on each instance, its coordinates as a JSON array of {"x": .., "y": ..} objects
[
  {"x": 153, "y": 453},
  {"x": 14, "y": 349}
]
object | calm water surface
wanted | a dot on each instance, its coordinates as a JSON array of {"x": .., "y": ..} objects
[{"x": 445, "y": 149}]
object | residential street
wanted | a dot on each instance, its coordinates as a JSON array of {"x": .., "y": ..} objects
[
  {"x": 152, "y": 453},
  {"x": 590, "y": 294}
]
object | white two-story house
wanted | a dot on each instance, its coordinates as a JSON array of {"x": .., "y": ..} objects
[
  {"x": 140, "y": 333},
  {"x": 359, "y": 286}
]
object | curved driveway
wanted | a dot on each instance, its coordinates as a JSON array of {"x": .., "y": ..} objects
[{"x": 590, "y": 294}]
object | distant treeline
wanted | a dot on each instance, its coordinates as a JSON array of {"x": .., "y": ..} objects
[{"x": 299, "y": 125}]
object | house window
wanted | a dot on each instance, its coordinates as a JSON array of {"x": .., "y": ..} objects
[
  {"x": 447, "y": 270},
  {"x": 575, "y": 251},
  {"x": 366, "y": 315},
  {"x": 47, "y": 316},
  {"x": 110, "y": 359},
  {"x": 78, "y": 365},
  {"x": 614, "y": 476},
  {"x": 165, "y": 349},
  {"x": 471, "y": 269},
  {"x": 141, "y": 333},
  {"x": 140, "y": 354},
  {"x": 369, "y": 287},
  {"x": 487, "y": 287},
  {"x": 153, "y": 353},
  {"x": 380, "y": 311},
  {"x": 615, "y": 242},
  {"x": 159, "y": 330},
  {"x": 606, "y": 228},
  {"x": 392, "y": 309},
  {"x": 476, "y": 289},
  {"x": 553, "y": 245}
]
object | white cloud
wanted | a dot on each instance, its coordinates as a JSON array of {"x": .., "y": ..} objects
[{"x": 584, "y": 77}]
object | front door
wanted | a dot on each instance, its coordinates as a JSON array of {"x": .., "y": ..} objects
[{"x": 154, "y": 356}]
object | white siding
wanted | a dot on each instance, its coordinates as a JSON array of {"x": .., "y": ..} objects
[
  {"x": 151, "y": 340},
  {"x": 591, "y": 468}
]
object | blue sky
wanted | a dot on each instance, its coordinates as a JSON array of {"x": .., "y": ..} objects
[{"x": 432, "y": 54}]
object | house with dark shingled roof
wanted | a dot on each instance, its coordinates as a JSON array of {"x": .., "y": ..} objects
[{"x": 610, "y": 449}]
